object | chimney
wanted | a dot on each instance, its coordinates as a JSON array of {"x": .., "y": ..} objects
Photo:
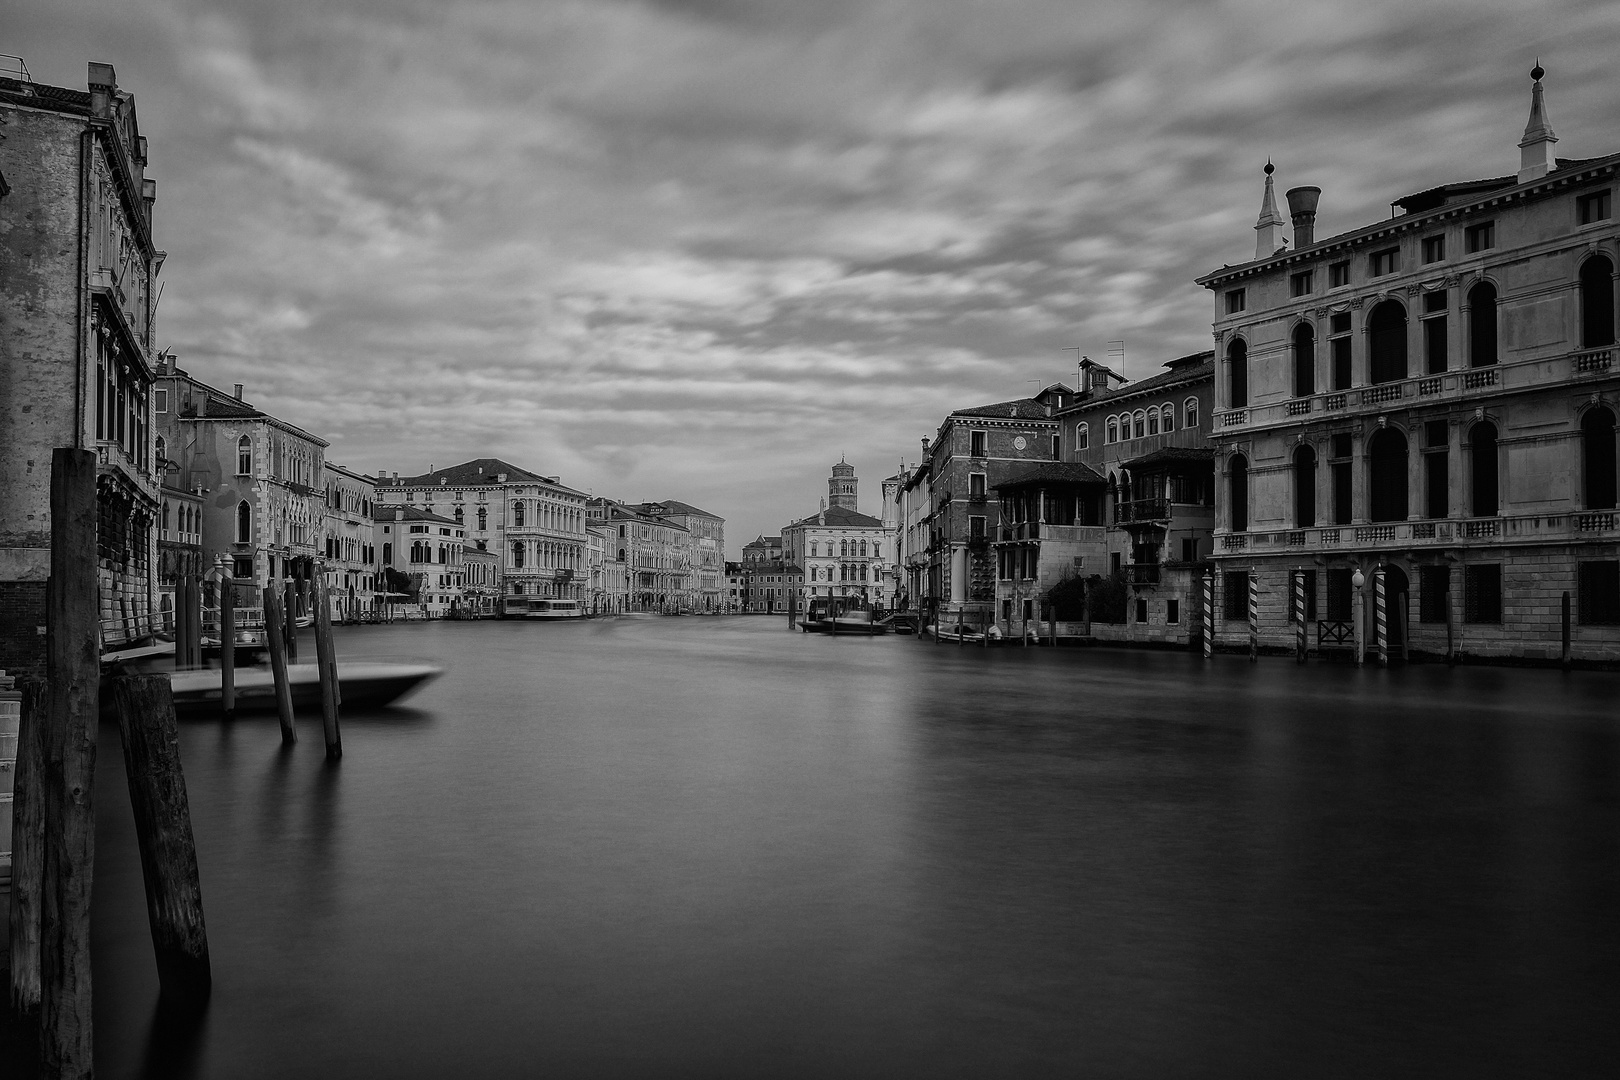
[
  {"x": 238, "y": 391},
  {"x": 1267, "y": 234},
  {"x": 1302, "y": 208},
  {"x": 1536, "y": 157}
]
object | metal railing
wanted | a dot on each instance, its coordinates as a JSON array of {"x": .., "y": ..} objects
[{"x": 1142, "y": 510}]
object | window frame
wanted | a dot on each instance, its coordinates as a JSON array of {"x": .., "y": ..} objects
[
  {"x": 1434, "y": 248},
  {"x": 1480, "y": 236},
  {"x": 1339, "y": 274},
  {"x": 1587, "y": 201},
  {"x": 1384, "y": 262},
  {"x": 978, "y": 442},
  {"x": 1082, "y": 436},
  {"x": 1236, "y": 300},
  {"x": 1189, "y": 413},
  {"x": 1302, "y": 283}
]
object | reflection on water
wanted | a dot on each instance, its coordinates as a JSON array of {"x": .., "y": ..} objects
[{"x": 710, "y": 847}]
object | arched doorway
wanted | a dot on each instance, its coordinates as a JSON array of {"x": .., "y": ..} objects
[
  {"x": 1597, "y": 459},
  {"x": 1397, "y": 598},
  {"x": 1386, "y": 332},
  {"x": 1483, "y": 467},
  {"x": 1387, "y": 476}
]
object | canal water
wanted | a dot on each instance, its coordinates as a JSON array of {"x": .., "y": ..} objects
[{"x": 708, "y": 847}]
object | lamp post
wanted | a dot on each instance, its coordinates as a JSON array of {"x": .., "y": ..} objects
[{"x": 1357, "y": 615}]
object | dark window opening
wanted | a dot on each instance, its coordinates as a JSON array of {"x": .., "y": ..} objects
[
  {"x": 1482, "y": 325},
  {"x": 1338, "y": 274},
  {"x": 1339, "y": 342},
  {"x": 1482, "y": 593},
  {"x": 1592, "y": 207},
  {"x": 1481, "y": 237},
  {"x": 1340, "y": 590},
  {"x": 1239, "y": 477},
  {"x": 1237, "y": 363},
  {"x": 1235, "y": 602},
  {"x": 1387, "y": 476},
  {"x": 1434, "y": 248},
  {"x": 1437, "y": 484},
  {"x": 1387, "y": 342},
  {"x": 1304, "y": 360},
  {"x": 1300, "y": 283},
  {"x": 976, "y": 444},
  {"x": 1597, "y": 302},
  {"x": 1599, "y": 584},
  {"x": 1597, "y": 459},
  {"x": 1434, "y": 593},
  {"x": 1383, "y": 262},
  {"x": 1304, "y": 487},
  {"x": 1482, "y": 458},
  {"x": 1172, "y": 611},
  {"x": 1235, "y": 301}
]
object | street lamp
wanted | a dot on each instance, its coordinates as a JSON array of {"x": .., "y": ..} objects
[{"x": 1357, "y": 615}]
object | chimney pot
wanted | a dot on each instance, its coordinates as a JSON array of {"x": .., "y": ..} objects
[
  {"x": 1302, "y": 208},
  {"x": 238, "y": 391}
]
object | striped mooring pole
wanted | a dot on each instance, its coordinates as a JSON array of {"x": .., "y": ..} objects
[
  {"x": 1300, "y": 638},
  {"x": 1254, "y": 617},
  {"x": 1209, "y": 614},
  {"x": 1381, "y": 615}
]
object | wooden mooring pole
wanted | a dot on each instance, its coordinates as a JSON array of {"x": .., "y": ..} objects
[
  {"x": 290, "y": 618},
  {"x": 73, "y": 667},
  {"x": 27, "y": 850},
  {"x": 157, "y": 793},
  {"x": 227, "y": 648},
  {"x": 326, "y": 657},
  {"x": 278, "y": 663}
]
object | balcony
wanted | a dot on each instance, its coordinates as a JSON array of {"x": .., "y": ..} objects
[
  {"x": 1142, "y": 510},
  {"x": 1460, "y": 385},
  {"x": 1489, "y": 532},
  {"x": 1038, "y": 530},
  {"x": 1140, "y": 575}
]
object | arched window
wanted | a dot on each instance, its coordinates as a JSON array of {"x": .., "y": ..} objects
[
  {"x": 863, "y": 571},
  {"x": 165, "y": 532},
  {"x": 1112, "y": 434},
  {"x": 1482, "y": 325},
  {"x": 1167, "y": 418},
  {"x": 1082, "y": 437},
  {"x": 1138, "y": 424},
  {"x": 388, "y": 554},
  {"x": 1304, "y": 487},
  {"x": 517, "y": 514},
  {"x": 244, "y": 523},
  {"x": 1597, "y": 302},
  {"x": 1153, "y": 421},
  {"x": 1238, "y": 486},
  {"x": 863, "y": 549},
  {"x": 517, "y": 555},
  {"x": 483, "y": 518},
  {"x": 1304, "y": 360},
  {"x": 1387, "y": 476},
  {"x": 874, "y": 551},
  {"x": 458, "y": 516},
  {"x": 1237, "y": 374},
  {"x": 1482, "y": 462},
  {"x": 1189, "y": 413},
  {"x": 244, "y": 456},
  {"x": 1386, "y": 343},
  {"x": 1597, "y": 459},
  {"x": 843, "y": 549}
]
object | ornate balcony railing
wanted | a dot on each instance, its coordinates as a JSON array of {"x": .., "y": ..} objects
[
  {"x": 1474, "y": 380},
  {"x": 1335, "y": 402},
  {"x": 1142, "y": 510},
  {"x": 1376, "y": 395},
  {"x": 1235, "y": 418},
  {"x": 1589, "y": 360}
]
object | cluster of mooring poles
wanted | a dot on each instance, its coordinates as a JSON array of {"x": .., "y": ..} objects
[{"x": 53, "y": 826}]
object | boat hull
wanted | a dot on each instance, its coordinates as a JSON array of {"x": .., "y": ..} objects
[{"x": 361, "y": 685}]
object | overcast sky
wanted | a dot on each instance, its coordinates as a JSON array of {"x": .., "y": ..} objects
[{"x": 700, "y": 249}]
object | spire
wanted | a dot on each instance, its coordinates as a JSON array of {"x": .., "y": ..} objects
[
  {"x": 1536, "y": 148},
  {"x": 1267, "y": 237}
]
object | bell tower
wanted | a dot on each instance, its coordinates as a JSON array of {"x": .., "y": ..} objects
[{"x": 841, "y": 486}]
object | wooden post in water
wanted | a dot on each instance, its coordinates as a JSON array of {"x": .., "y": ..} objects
[
  {"x": 1051, "y": 623},
  {"x": 27, "y": 851},
  {"x": 290, "y": 619},
  {"x": 157, "y": 793},
  {"x": 1209, "y": 615},
  {"x": 326, "y": 657},
  {"x": 68, "y": 740},
  {"x": 227, "y": 648},
  {"x": 278, "y": 663},
  {"x": 1565, "y": 662}
]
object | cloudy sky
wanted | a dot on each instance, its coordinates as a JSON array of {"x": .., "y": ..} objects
[{"x": 701, "y": 249}]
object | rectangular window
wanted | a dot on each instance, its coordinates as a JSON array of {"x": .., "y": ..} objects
[
  {"x": 1384, "y": 262},
  {"x": 976, "y": 444},
  {"x": 976, "y": 483},
  {"x": 1235, "y": 601},
  {"x": 160, "y": 398},
  {"x": 1340, "y": 593},
  {"x": 1082, "y": 437},
  {"x": 1482, "y": 593},
  {"x": 1338, "y": 274},
  {"x": 1437, "y": 484},
  {"x": 1235, "y": 301},
  {"x": 1434, "y": 592},
  {"x": 1189, "y": 549},
  {"x": 1172, "y": 611},
  {"x": 1592, "y": 207},
  {"x": 976, "y": 527},
  {"x": 1434, "y": 344},
  {"x": 1141, "y": 611},
  {"x": 1300, "y": 284},
  {"x": 1481, "y": 237},
  {"x": 1339, "y": 469},
  {"x": 1600, "y": 593},
  {"x": 1339, "y": 350},
  {"x": 1057, "y": 448},
  {"x": 1434, "y": 248}
]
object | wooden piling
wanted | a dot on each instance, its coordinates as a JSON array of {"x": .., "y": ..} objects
[
  {"x": 290, "y": 618},
  {"x": 1051, "y": 623},
  {"x": 1565, "y": 660},
  {"x": 326, "y": 657},
  {"x": 227, "y": 648},
  {"x": 157, "y": 794},
  {"x": 278, "y": 663},
  {"x": 27, "y": 850},
  {"x": 68, "y": 741}
]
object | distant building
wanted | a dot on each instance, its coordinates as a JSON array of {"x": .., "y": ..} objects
[
  {"x": 427, "y": 549},
  {"x": 534, "y": 522},
  {"x": 77, "y": 263},
  {"x": 1426, "y": 405},
  {"x": 350, "y": 561},
  {"x": 706, "y": 535},
  {"x": 763, "y": 549},
  {"x": 261, "y": 477},
  {"x": 839, "y": 551}
]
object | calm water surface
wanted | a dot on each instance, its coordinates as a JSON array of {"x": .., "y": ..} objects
[{"x": 713, "y": 848}]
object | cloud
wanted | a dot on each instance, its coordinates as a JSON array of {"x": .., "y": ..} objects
[{"x": 702, "y": 248}]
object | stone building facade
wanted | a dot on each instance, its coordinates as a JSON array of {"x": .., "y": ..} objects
[
  {"x": 1416, "y": 418},
  {"x": 841, "y": 552},
  {"x": 77, "y": 264},
  {"x": 349, "y": 542}
]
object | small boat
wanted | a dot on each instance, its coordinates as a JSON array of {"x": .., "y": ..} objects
[
  {"x": 856, "y": 621},
  {"x": 361, "y": 684},
  {"x": 900, "y": 622},
  {"x": 955, "y": 632},
  {"x": 555, "y": 609}
]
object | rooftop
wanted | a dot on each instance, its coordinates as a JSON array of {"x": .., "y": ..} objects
[
  {"x": 401, "y": 512},
  {"x": 1049, "y": 473},
  {"x": 836, "y": 517},
  {"x": 472, "y": 473}
]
